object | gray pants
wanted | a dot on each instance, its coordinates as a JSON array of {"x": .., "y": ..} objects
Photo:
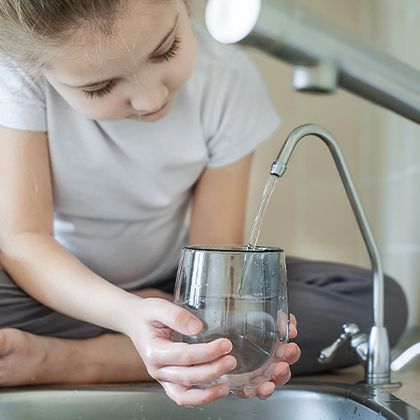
[{"x": 322, "y": 295}]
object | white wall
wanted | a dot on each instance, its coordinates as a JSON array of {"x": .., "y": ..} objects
[
  {"x": 309, "y": 214},
  {"x": 392, "y": 174}
]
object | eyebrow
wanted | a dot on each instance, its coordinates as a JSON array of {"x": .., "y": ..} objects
[{"x": 161, "y": 43}]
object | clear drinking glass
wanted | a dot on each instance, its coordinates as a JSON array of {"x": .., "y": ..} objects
[{"x": 239, "y": 294}]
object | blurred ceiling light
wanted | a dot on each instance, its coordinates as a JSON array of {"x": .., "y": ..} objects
[{"x": 229, "y": 21}]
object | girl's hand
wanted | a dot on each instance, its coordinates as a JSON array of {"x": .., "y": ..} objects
[
  {"x": 282, "y": 374},
  {"x": 155, "y": 293},
  {"x": 179, "y": 366}
]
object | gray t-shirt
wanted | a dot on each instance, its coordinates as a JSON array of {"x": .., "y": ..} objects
[{"x": 122, "y": 188}]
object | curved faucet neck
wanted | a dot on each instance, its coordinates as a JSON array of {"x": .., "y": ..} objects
[
  {"x": 278, "y": 169},
  {"x": 378, "y": 357}
]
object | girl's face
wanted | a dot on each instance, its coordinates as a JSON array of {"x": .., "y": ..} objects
[{"x": 136, "y": 72}]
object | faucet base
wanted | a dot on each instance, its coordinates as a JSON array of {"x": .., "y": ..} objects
[
  {"x": 378, "y": 370},
  {"x": 390, "y": 385}
]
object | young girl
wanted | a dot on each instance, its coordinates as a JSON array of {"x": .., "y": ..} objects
[{"x": 114, "y": 115}]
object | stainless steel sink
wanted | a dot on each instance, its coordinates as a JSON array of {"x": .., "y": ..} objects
[{"x": 148, "y": 402}]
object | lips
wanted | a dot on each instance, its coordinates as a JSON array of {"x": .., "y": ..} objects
[{"x": 150, "y": 114}]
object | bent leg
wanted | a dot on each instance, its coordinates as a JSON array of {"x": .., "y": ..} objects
[
  {"x": 324, "y": 296},
  {"x": 21, "y": 311},
  {"x": 85, "y": 355},
  {"x": 28, "y": 359}
]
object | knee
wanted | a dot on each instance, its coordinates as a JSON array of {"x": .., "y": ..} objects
[{"x": 396, "y": 309}]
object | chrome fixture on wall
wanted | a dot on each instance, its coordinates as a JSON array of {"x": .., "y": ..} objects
[
  {"x": 376, "y": 354},
  {"x": 324, "y": 56}
]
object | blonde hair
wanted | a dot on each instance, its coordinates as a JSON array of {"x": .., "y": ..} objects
[{"x": 29, "y": 27}]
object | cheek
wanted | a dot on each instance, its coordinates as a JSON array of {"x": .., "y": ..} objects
[
  {"x": 183, "y": 65},
  {"x": 106, "y": 108},
  {"x": 101, "y": 108}
]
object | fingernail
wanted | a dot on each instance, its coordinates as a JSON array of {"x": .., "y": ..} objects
[
  {"x": 227, "y": 346},
  {"x": 193, "y": 326},
  {"x": 231, "y": 364}
]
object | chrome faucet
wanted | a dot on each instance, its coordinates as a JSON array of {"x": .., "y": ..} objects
[
  {"x": 376, "y": 353},
  {"x": 324, "y": 57}
]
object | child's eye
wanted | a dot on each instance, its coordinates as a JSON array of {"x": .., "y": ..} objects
[
  {"x": 105, "y": 90},
  {"x": 100, "y": 93},
  {"x": 171, "y": 53}
]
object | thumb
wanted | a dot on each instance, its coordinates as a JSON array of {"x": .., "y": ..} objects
[{"x": 178, "y": 319}]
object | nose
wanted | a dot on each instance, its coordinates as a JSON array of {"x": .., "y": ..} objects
[{"x": 149, "y": 99}]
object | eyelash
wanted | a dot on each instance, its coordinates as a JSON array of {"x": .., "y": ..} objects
[
  {"x": 168, "y": 56},
  {"x": 100, "y": 93}
]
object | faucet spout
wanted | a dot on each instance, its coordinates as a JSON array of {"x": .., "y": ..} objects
[{"x": 378, "y": 358}]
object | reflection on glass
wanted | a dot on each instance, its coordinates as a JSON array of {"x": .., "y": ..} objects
[{"x": 250, "y": 311}]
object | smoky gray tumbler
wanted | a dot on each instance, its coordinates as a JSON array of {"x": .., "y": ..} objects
[{"x": 239, "y": 294}]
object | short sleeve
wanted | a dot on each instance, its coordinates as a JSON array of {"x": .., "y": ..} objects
[
  {"x": 22, "y": 100},
  {"x": 239, "y": 113}
]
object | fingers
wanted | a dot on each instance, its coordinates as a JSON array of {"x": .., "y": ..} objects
[
  {"x": 179, "y": 366},
  {"x": 281, "y": 374},
  {"x": 198, "y": 374},
  {"x": 186, "y": 397},
  {"x": 173, "y": 316},
  {"x": 293, "y": 327},
  {"x": 291, "y": 353},
  {"x": 265, "y": 390},
  {"x": 162, "y": 352},
  {"x": 288, "y": 352}
]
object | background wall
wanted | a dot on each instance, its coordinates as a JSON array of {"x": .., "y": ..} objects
[
  {"x": 391, "y": 176},
  {"x": 309, "y": 214}
]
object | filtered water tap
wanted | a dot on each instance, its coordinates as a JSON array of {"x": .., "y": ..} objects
[
  {"x": 377, "y": 356},
  {"x": 324, "y": 57}
]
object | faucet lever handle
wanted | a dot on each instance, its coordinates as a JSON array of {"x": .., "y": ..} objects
[{"x": 328, "y": 353}]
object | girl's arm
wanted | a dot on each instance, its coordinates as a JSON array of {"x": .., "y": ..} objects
[
  {"x": 219, "y": 205},
  {"x": 54, "y": 277},
  {"x": 28, "y": 251}
]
